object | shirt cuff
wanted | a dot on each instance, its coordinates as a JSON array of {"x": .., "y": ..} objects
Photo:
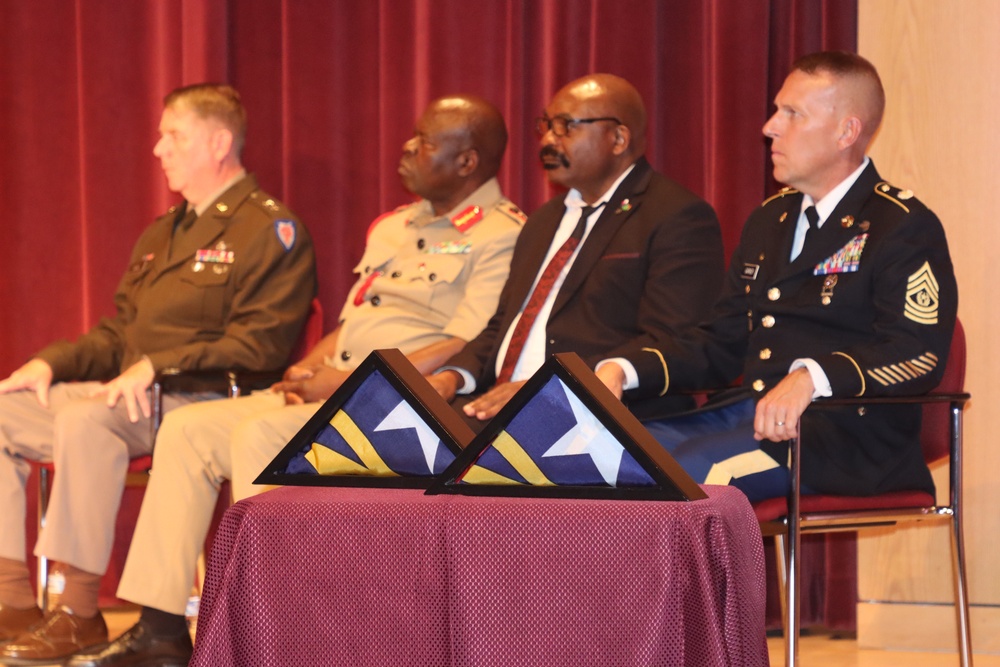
[
  {"x": 631, "y": 376},
  {"x": 821, "y": 383},
  {"x": 469, "y": 382}
]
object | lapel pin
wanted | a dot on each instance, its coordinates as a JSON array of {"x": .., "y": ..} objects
[
  {"x": 847, "y": 221},
  {"x": 625, "y": 206},
  {"x": 782, "y": 217},
  {"x": 864, "y": 226}
]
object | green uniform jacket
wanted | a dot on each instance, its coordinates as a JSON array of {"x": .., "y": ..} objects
[{"x": 234, "y": 293}]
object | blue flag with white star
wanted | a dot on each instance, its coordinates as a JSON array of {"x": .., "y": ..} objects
[
  {"x": 556, "y": 440},
  {"x": 375, "y": 433}
]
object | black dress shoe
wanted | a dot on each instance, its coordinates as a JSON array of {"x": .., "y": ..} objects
[{"x": 138, "y": 648}]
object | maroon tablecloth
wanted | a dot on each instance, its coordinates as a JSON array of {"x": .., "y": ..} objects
[{"x": 339, "y": 576}]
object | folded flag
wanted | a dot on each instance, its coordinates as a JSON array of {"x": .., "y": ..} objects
[
  {"x": 556, "y": 440},
  {"x": 375, "y": 433}
]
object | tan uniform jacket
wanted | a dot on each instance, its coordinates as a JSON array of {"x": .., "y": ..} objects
[
  {"x": 424, "y": 278},
  {"x": 230, "y": 294}
]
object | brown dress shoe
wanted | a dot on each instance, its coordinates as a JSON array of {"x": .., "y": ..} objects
[
  {"x": 59, "y": 635},
  {"x": 13, "y": 622}
]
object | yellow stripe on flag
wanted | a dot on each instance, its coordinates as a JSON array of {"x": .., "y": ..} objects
[
  {"x": 372, "y": 463},
  {"x": 328, "y": 462},
  {"x": 517, "y": 457},
  {"x": 481, "y": 475}
]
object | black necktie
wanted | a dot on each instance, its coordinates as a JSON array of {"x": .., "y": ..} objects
[{"x": 812, "y": 217}]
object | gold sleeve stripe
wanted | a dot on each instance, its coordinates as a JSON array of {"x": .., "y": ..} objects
[
  {"x": 904, "y": 370},
  {"x": 666, "y": 374},
  {"x": 877, "y": 378},
  {"x": 889, "y": 197},
  {"x": 858, "y": 369}
]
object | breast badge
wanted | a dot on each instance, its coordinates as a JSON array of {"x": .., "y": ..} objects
[{"x": 845, "y": 260}]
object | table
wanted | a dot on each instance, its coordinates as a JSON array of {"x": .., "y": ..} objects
[{"x": 346, "y": 576}]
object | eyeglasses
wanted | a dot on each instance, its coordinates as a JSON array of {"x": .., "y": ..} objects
[{"x": 563, "y": 125}]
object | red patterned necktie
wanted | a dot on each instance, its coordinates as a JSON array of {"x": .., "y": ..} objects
[{"x": 540, "y": 294}]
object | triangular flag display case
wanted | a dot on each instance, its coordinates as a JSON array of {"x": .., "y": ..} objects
[
  {"x": 565, "y": 435},
  {"x": 384, "y": 427}
]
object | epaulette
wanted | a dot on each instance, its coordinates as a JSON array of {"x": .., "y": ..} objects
[
  {"x": 262, "y": 199},
  {"x": 384, "y": 216},
  {"x": 467, "y": 218},
  {"x": 779, "y": 194},
  {"x": 512, "y": 212},
  {"x": 893, "y": 194}
]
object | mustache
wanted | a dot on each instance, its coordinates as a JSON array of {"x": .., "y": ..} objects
[{"x": 551, "y": 152}]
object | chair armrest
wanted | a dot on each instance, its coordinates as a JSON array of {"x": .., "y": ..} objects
[{"x": 932, "y": 397}]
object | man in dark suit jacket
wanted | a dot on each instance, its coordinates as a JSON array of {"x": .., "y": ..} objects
[
  {"x": 842, "y": 285},
  {"x": 648, "y": 265}
]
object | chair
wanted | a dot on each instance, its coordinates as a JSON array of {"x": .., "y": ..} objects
[
  {"x": 232, "y": 383},
  {"x": 941, "y": 439}
]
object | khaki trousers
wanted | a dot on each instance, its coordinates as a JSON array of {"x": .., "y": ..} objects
[
  {"x": 90, "y": 445},
  {"x": 197, "y": 449}
]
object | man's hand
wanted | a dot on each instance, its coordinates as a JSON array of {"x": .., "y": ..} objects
[
  {"x": 613, "y": 377},
  {"x": 318, "y": 385},
  {"x": 299, "y": 371},
  {"x": 131, "y": 387},
  {"x": 778, "y": 413},
  {"x": 35, "y": 375},
  {"x": 489, "y": 404},
  {"x": 445, "y": 383}
]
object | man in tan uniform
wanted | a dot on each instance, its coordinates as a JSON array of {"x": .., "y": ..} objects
[
  {"x": 428, "y": 281},
  {"x": 225, "y": 280}
]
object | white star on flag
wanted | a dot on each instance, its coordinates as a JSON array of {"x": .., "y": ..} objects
[
  {"x": 403, "y": 416},
  {"x": 589, "y": 436}
]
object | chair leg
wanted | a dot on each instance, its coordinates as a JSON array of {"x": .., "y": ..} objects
[
  {"x": 961, "y": 590},
  {"x": 781, "y": 565},
  {"x": 42, "y": 576},
  {"x": 792, "y": 594}
]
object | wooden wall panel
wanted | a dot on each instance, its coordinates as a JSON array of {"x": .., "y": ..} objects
[{"x": 941, "y": 138}]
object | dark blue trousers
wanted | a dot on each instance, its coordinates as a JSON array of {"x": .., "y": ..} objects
[{"x": 715, "y": 445}]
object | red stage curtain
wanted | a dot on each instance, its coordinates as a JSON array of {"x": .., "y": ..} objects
[{"x": 332, "y": 88}]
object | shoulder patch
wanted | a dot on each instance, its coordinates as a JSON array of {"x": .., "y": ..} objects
[
  {"x": 383, "y": 217},
  {"x": 286, "y": 232},
  {"x": 512, "y": 212},
  {"x": 894, "y": 195},
  {"x": 779, "y": 194}
]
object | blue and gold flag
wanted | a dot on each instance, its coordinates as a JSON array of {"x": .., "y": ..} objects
[
  {"x": 375, "y": 433},
  {"x": 556, "y": 440}
]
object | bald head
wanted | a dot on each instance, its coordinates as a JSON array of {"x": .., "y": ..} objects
[
  {"x": 480, "y": 126},
  {"x": 613, "y": 96},
  {"x": 457, "y": 146},
  {"x": 858, "y": 87}
]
